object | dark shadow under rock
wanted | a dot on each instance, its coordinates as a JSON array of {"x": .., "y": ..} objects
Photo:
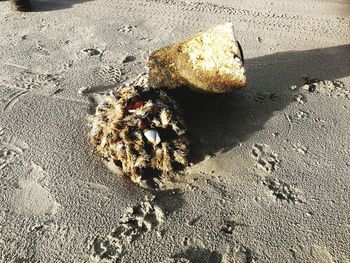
[{"x": 219, "y": 122}]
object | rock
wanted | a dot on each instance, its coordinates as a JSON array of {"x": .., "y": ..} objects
[{"x": 210, "y": 61}]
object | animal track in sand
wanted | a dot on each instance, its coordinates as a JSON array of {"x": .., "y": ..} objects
[
  {"x": 126, "y": 29},
  {"x": 136, "y": 221},
  {"x": 29, "y": 82},
  {"x": 300, "y": 148},
  {"x": 10, "y": 150},
  {"x": 265, "y": 158},
  {"x": 41, "y": 50},
  {"x": 299, "y": 98},
  {"x": 265, "y": 97},
  {"x": 109, "y": 74},
  {"x": 283, "y": 191},
  {"x": 302, "y": 114}
]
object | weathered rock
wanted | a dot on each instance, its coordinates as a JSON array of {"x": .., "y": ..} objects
[{"x": 210, "y": 61}]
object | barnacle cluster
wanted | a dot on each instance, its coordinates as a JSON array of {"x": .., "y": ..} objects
[{"x": 139, "y": 129}]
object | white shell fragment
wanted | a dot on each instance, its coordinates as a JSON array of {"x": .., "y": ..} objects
[
  {"x": 83, "y": 90},
  {"x": 152, "y": 136}
]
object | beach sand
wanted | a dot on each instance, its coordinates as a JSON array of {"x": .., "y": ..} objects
[{"x": 270, "y": 178}]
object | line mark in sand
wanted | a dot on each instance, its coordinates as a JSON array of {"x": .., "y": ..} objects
[
  {"x": 16, "y": 66},
  {"x": 135, "y": 222},
  {"x": 265, "y": 158},
  {"x": 290, "y": 124},
  {"x": 32, "y": 197}
]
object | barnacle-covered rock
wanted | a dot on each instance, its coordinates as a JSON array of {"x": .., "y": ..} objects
[
  {"x": 139, "y": 129},
  {"x": 211, "y": 61}
]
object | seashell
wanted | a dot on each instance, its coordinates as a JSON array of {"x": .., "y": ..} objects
[
  {"x": 152, "y": 136},
  {"x": 135, "y": 105}
]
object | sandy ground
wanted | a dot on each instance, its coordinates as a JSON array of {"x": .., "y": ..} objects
[{"x": 270, "y": 181}]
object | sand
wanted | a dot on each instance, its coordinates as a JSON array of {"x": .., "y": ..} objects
[{"x": 271, "y": 164}]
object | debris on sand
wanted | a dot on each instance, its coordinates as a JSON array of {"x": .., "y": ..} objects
[
  {"x": 334, "y": 88},
  {"x": 140, "y": 130}
]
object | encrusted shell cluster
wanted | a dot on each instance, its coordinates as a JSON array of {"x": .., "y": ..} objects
[{"x": 139, "y": 129}]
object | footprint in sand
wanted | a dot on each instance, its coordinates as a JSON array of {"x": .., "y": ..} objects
[
  {"x": 29, "y": 82},
  {"x": 315, "y": 253},
  {"x": 110, "y": 74},
  {"x": 32, "y": 197}
]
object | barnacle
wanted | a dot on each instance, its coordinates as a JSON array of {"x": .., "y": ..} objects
[{"x": 140, "y": 130}]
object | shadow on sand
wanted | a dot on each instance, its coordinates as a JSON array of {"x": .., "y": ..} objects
[
  {"x": 49, "y": 5},
  {"x": 217, "y": 123}
]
